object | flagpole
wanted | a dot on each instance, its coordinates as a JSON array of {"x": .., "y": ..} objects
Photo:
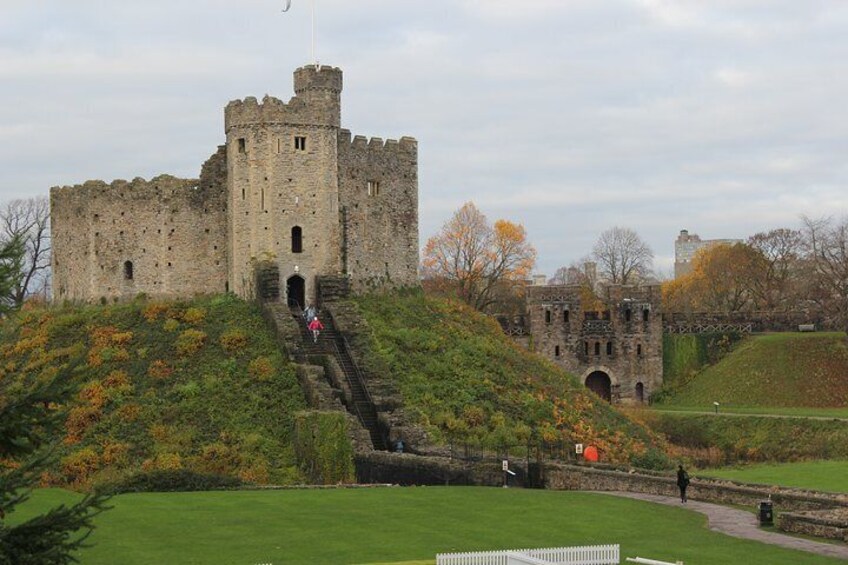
[{"x": 314, "y": 57}]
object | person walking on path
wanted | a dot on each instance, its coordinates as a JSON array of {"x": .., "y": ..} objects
[
  {"x": 682, "y": 482},
  {"x": 315, "y": 326}
]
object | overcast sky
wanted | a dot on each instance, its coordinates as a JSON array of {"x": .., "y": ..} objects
[{"x": 724, "y": 117}]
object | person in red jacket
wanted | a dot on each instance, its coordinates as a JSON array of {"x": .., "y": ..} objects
[{"x": 315, "y": 326}]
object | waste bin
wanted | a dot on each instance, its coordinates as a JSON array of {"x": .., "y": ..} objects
[{"x": 766, "y": 513}]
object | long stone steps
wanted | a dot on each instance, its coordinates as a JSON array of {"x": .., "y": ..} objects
[{"x": 330, "y": 342}]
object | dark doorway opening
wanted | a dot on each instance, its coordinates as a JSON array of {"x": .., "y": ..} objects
[
  {"x": 296, "y": 292},
  {"x": 640, "y": 393},
  {"x": 599, "y": 383}
]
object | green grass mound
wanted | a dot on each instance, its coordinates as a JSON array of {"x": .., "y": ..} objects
[
  {"x": 462, "y": 379},
  {"x": 390, "y": 525},
  {"x": 199, "y": 387},
  {"x": 780, "y": 370}
]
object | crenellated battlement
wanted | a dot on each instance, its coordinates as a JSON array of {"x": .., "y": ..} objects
[
  {"x": 93, "y": 187},
  {"x": 316, "y": 103},
  {"x": 311, "y": 77},
  {"x": 376, "y": 144}
]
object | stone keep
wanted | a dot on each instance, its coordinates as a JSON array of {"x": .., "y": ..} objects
[
  {"x": 290, "y": 190},
  {"x": 614, "y": 345}
]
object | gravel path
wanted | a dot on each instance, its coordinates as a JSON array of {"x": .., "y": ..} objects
[{"x": 741, "y": 524}]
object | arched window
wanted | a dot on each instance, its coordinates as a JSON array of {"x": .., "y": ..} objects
[
  {"x": 597, "y": 348},
  {"x": 609, "y": 348},
  {"x": 565, "y": 316},
  {"x": 128, "y": 270},
  {"x": 645, "y": 314},
  {"x": 586, "y": 347},
  {"x": 547, "y": 316},
  {"x": 297, "y": 239},
  {"x": 627, "y": 315},
  {"x": 639, "y": 349},
  {"x": 556, "y": 351}
]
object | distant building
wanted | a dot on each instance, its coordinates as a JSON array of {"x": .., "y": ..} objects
[{"x": 685, "y": 247}]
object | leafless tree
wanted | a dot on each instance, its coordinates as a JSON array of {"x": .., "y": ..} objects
[
  {"x": 28, "y": 220},
  {"x": 826, "y": 243},
  {"x": 622, "y": 256},
  {"x": 771, "y": 282}
]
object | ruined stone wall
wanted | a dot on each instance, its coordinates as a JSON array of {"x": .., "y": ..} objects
[
  {"x": 378, "y": 193},
  {"x": 171, "y": 230},
  {"x": 582, "y": 339},
  {"x": 283, "y": 175}
]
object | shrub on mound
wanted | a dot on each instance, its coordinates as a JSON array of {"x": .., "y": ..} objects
[{"x": 151, "y": 398}]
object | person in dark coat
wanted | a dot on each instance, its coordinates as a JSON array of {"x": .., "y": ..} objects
[{"x": 682, "y": 482}]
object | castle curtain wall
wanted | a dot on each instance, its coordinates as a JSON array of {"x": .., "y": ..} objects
[
  {"x": 170, "y": 232},
  {"x": 378, "y": 191}
]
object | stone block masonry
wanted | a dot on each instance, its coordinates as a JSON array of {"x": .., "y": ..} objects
[
  {"x": 612, "y": 344},
  {"x": 289, "y": 188}
]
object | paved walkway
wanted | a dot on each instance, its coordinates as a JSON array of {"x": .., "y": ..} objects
[{"x": 741, "y": 524}]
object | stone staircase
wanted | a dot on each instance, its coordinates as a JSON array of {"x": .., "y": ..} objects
[{"x": 331, "y": 342}]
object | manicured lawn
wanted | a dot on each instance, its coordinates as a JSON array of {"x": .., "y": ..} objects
[
  {"x": 386, "y": 525},
  {"x": 829, "y": 476}
]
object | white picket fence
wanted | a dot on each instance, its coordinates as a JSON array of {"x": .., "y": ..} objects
[{"x": 585, "y": 555}]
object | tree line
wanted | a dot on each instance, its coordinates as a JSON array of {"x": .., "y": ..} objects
[{"x": 488, "y": 266}]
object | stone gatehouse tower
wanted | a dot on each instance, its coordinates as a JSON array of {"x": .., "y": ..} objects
[
  {"x": 291, "y": 193},
  {"x": 613, "y": 346}
]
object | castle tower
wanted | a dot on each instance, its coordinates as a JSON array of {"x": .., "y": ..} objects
[{"x": 283, "y": 185}]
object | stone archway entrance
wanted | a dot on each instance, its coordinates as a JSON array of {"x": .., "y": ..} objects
[
  {"x": 296, "y": 291},
  {"x": 599, "y": 383},
  {"x": 640, "y": 393}
]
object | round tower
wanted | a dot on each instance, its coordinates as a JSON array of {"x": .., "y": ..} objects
[{"x": 283, "y": 208}]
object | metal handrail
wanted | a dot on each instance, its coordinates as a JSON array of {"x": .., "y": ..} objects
[{"x": 359, "y": 376}]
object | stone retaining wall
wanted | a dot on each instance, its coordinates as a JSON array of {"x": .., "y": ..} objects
[
  {"x": 578, "y": 477},
  {"x": 831, "y": 524}
]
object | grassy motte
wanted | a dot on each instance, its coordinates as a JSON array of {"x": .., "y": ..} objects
[
  {"x": 461, "y": 378},
  {"x": 780, "y": 370},
  {"x": 199, "y": 386},
  {"x": 388, "y": 525}
]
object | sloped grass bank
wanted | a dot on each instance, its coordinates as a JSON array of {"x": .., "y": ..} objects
[
  {"x": 386, "y": 525},
  {"x": 781, "y": 369},
  {"x": 462, "y": 378},
  {"x": 710, "y": 441},
  {"x": 199, "y": 386},
  {"x": 828, "y": 476}
]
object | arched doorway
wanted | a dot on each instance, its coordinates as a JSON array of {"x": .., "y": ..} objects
[
  {"x": 599, "y": 383},
  {"x": 640, "y": 393},
  {"x": 296, "y": 291}
]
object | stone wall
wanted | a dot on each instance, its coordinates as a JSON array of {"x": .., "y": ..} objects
[
  {"x": 579, "y": 477},
  {"x": 163, "y": 237},
  {"x": 622, "y": 339},
  {"x": 378, "y": 192},
  {"x": 830, "y": 524}
]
